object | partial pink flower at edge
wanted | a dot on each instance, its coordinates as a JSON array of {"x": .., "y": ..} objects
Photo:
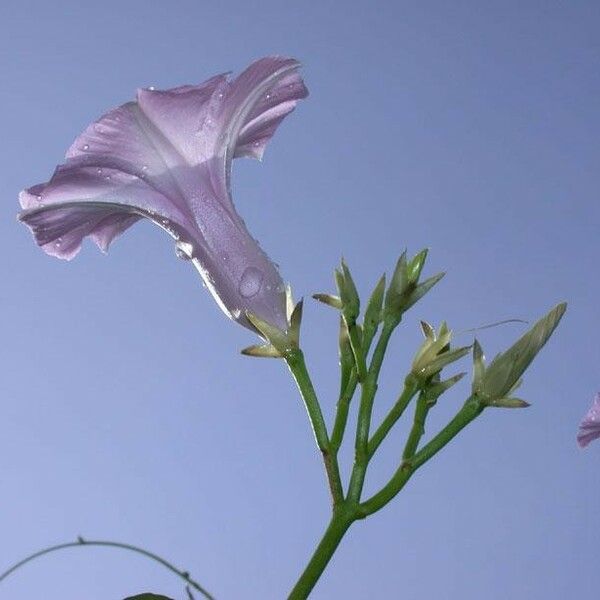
[{"x": 589, "y": 429}]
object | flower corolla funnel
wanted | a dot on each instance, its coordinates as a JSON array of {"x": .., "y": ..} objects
[
  {"x": 589, "y": 429},
  {"x": 167, "y": 157}
]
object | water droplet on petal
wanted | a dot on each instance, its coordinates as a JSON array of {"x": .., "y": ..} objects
[
  {"x": 58, "y": 243},
  {"x": 86, "y": 147},
  {"x": 250, "y": 282},
  {"x": 99, "y": 171},
  {"x": 151, "y": 88},
  {"x": 268, "y": 97}
]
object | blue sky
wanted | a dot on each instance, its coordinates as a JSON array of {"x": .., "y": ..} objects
[{"x": 127, "y": 411}]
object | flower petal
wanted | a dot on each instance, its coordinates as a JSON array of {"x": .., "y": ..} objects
[
  {"x": 167, "y": 157},
  {"x": 589, "y": 429},
  {"x": 98, "y": 201}
]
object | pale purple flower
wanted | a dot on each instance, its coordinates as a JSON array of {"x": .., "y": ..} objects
[
  {"x": 167, "y": 157},
  {"x": 589, "y": 429}
]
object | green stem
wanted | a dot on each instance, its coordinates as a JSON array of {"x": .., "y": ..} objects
[
  {"x": 418, "y": 427},
  {"x": 410, "y": 389},
  {"x": 297, "y": 365},
  {"x": 357, "y": 350},
  {"x": 369, "y": 389},
  {"x": 81, "y": 542},
  {"x": 341, "y": 415},
  {"x": 471, "y": 409},
  {"x": 339, "y": 524}
]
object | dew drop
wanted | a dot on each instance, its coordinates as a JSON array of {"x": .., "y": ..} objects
[
  {"x": 144, "y": 167},
  {"x": 184, "y": 250},
  {"x": 86, "y": 147},
  {"x": 250, "y": 282},
  {"x": 99, "y": 171},
  {"x": 151, "y": 88},
  {"x": 268, "y": 97},
  {"x": 58, "y": 243}
]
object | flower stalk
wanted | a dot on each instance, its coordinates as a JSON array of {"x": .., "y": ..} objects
[{"x": 423, "y": 382}]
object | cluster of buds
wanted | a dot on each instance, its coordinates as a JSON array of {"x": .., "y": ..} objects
[
  {"x": 434, "y": 354},
  {"x": 405, "y": 289}
]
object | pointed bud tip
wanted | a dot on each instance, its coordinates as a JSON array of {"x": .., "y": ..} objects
[{"x": 264, "y": 351}]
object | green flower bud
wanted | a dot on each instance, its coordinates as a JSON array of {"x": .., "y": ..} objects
[{"x": 505, "y": 371}]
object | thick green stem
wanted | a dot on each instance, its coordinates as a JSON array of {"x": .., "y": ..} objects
[
  {"x": 417, "y": 429},
  {"x": 471, "y": 409},
  {"x": 410, "y": 389},
  {"x": 295, "y": 361},
  {"x": 339, "y": 524},
  {"x": 369, "y": 389}
]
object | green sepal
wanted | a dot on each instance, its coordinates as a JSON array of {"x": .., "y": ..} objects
[
  {"x": 348, "y": 293},
  {"x": 422, "y": 289},
  {"x": 430, "y": 348},
  {"x": 346, "y": 356},
  {"x": 295, "y": 322},
  {"x": 275, "y": 336},
  {"x": 443, "y": 329},
  {"x": 289, "y": 302},
  {"x": 514, "y": 388},
  {"x": 262, "y": 351},
  {"x": 329, "y": 299},
  {"x": 437, "y": 389},
  {"x": 416, "y": 266},
  {"x": 505, "y": 371},
  {"x": 509, "y": 403},
  {"x": 428, "y": 331},
  {"x": 373, "y": 314},
  {"x": 397, "y": 288},
  {"x": 443, "y": 360},
  {"x": 478, "y": 366}
]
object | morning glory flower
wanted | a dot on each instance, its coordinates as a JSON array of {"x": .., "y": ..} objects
[
  {"x": 167, "y": 157},
  {"x": 589, "y": 429}
]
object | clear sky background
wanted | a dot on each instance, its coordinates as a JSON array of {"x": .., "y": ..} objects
[{"x": 127, "y": 411}]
